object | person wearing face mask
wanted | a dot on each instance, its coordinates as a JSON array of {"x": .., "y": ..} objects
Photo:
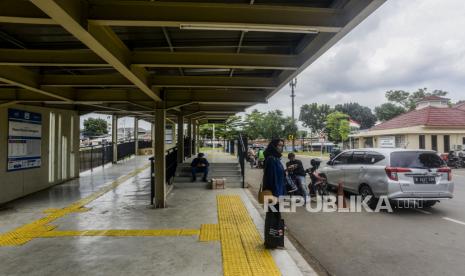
[{"x": 274, "y": 181}]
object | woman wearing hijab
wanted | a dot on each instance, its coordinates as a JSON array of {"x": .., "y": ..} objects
[{"x": 274, "y": 181}]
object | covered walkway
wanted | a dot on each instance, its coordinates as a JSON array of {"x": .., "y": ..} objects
[
  {"x": 175, "y": 64},
  {"x": 100, "y": 224}
]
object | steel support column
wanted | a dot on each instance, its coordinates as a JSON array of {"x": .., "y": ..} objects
[
  {"x": 114, "y": 137},
  {"x": 160, "y": 162},
  {"x": 180, "y": 138},
  {"x": 189, "y": 135},
  {"x": 136, "y": 135},
  {"x": 194, "y": 136}
]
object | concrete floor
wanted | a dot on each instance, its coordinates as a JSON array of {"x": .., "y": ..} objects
[{"x": 125, "y": 207}]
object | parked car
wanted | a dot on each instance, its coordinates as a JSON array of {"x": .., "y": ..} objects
[{"x": 399, "y": 174}]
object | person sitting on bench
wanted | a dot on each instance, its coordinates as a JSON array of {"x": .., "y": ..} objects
[{"x": 200, "y": 164}]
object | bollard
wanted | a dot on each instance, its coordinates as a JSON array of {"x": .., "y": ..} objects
[{"x": 340, "y": 194}]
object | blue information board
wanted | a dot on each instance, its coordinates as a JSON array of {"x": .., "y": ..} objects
[{"x": 24, "y": 140}]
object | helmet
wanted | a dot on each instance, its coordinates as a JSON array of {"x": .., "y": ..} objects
[{"x": 315, "y": 162}]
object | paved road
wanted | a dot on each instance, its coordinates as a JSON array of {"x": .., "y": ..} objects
[{"x": 408, "y": 241}]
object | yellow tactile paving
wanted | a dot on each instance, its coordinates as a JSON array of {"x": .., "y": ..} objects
[
  {"x": 241, "y": 244},
  {"x": 119, "y": 233},
  {"x": 242, "y": 248},
  {"x": 23, "y": 234},
  {"x": 209, "y": 232}
]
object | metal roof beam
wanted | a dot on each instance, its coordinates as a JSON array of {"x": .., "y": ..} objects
[
  {"x": 123, "y": 96},
  {"x": 158, "y": 14},
  {"x": 164, "y": 14},
  {"x": 86, "y": 58},
  {"x": 29, "y": 80},
  {"x": 114, "y": 80},
  {"x": 100, "y": 39},
  {"x": 215, "y": 60}
]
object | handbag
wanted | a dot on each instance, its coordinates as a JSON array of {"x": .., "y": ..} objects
[
  {"x": 274, "y": 230},
  {"x": 262, "y": 193}
]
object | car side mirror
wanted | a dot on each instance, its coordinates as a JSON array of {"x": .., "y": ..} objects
[{"x": 329, "y": 163}]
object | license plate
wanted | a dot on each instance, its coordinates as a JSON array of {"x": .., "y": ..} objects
[{"x": 424, "y": 180}]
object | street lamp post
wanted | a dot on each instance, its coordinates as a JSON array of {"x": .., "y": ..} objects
[{"x": 293, "y": 84}]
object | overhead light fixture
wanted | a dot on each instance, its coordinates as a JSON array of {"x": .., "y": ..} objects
[{"x": 248, "y": 28}]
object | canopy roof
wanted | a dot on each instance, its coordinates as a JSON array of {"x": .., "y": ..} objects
[{"x": 205, "y": 59}]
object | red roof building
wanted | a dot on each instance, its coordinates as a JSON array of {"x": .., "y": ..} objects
[
  {"x": 435, "y": 127},
  {"x": 428, "y": 117}
]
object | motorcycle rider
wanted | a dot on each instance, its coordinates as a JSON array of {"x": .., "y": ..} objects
[{"x": 315, "y": 176}]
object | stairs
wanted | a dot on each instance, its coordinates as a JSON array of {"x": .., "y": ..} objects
[{"x": 230, "y": 171}]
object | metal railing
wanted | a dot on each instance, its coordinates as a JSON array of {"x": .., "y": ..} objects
[
  {"x": 187, "y": 147},
  {"x": 126, "y": 149},
  {"x": 91, "y": 157},
  {"x": 145, "y": 144},
  {"x": 242, "y": 154},
  {"x": 171, "y": 162}
]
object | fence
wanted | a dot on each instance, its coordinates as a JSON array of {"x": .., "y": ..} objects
[
  {"x": 145, "y": 144},
  {"x": 126, "y": 150},
  {"x": 171, "y": 160},
  {"x": 95, "y": 156}
]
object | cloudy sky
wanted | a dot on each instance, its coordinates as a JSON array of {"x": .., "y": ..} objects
[{"x": 405, "y": 44}]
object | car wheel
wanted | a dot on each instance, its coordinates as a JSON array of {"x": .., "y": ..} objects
[
  {"x": 365, "y": 191},
  {"x": 429, "y": 203}
]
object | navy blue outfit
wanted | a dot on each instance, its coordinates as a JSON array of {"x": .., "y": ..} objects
[
  {"x": 196, "y": 168},
  {"x": 273, "y": 174},
  {"x": 274, "y": 181}
]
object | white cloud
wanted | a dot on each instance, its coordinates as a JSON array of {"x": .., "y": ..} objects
[{"x": 403, "y": 45}]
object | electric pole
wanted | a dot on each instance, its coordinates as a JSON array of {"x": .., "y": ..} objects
[{"x": 293, "y": 84}]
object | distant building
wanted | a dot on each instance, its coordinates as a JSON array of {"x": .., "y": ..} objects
[{"x": 433, "y": 125}]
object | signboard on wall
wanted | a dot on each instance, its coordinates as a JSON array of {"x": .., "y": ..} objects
[
  {"x": 387, "y": 142},
  {"x": 24, "y": 140}
]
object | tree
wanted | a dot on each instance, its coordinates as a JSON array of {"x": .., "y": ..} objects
[
  {"x": 314, "y": 116},
  {"x": 95, "y": 127},
  {"x": 361, "y": 114},
  {"x": 253, "y": 124},
  {"x": 337, "y": 126},
  {"x": 230, "y": 129},
  {"x": 387, "y": 111},
  {"x": 268, "y": 125},
  {"x": 275, "y": 125},
  {"x": 409, "y": 100},
  {"x": 302, "y": 134},
  {"x": 206, "y": 131}
]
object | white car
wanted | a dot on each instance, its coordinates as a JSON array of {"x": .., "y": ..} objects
[{"x": 399, "y": 174}]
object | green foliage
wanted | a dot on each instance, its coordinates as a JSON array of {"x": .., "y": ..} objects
[
  {"x": 408, "y": 100},
  {"x": 314, "y": 116},
  {"x": 254, "y": 124},
  {"x": 95, "y": 127},
  {"x": 302, "y": 134},
  {"x": 387, "y": 111},
  {"x": 230, "y": 129},
  {"x": 337, "y": 126},
  {"x": 268, "y": 125},
  {"x": 361, "y": 114}
]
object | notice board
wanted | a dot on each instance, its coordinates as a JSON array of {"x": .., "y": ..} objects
[{"x": 24, "y": 140}]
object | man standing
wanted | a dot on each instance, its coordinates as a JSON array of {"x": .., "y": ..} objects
[
  {"x": 296, "y": 169},
  {"x": 200, "y": 164}
]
